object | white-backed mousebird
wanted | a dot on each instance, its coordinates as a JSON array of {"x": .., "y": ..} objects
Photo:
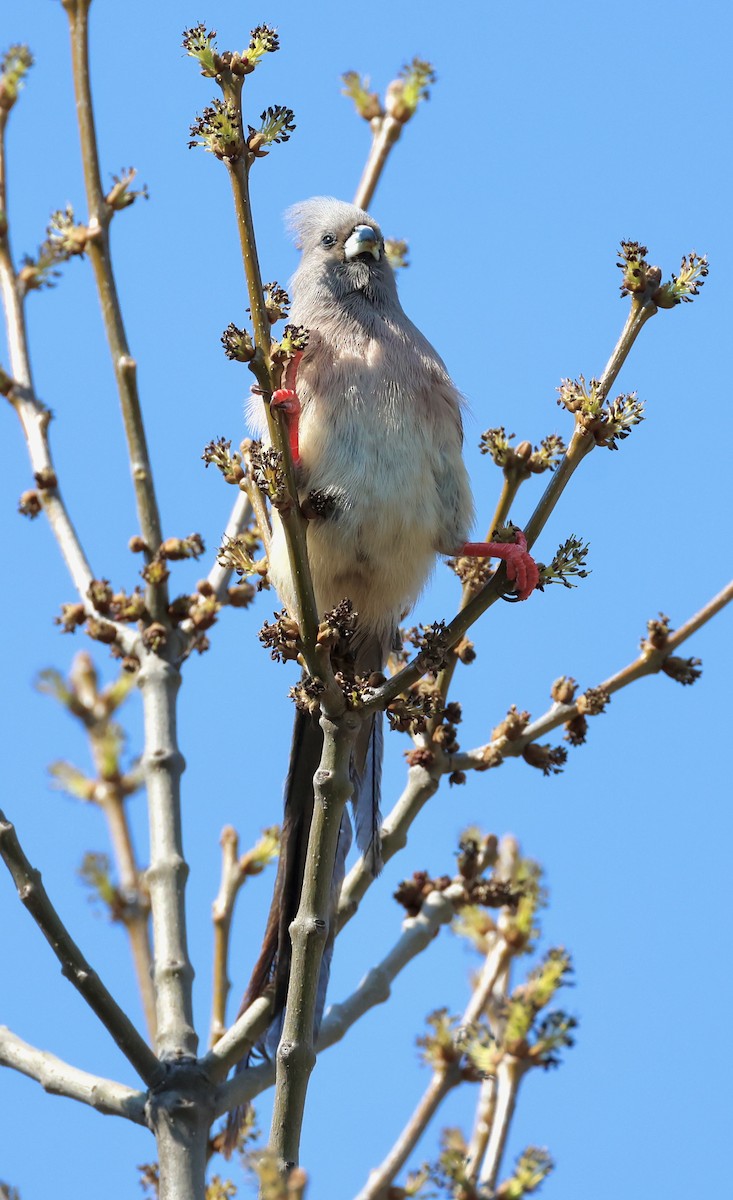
[{"x": 376, "y": 434}]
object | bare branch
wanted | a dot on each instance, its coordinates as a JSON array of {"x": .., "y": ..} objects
[
  {"x": 442, "y": 1082},
  {"x": 60, "y": 1079},
  {"x": 421, "y": 785},
  {"x": 231, "y": 1048},
  {"x": 650, "y": 662},
  {"x": 387, "y": 131},
  {"x": 509, "y": 1074},
  {"x": 159, "y": 681},
  {"x": 292, "y": 520},
  {"x": 73, "y": 964},
  {"x": 234, "y": 871},
  {"x": 136, "y": 916},
  {"x": 418, "y": 933},
  {"x": 296, "y": 1056},
  {"x": 445, "y": 1078},
  {"x": 98, "y": 249},
  {"x": 375, "y": 988},
  {"x": 35, "y": 418}
]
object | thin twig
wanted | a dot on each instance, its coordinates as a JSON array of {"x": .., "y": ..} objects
[
  {"x": 445, "y": 1077},
  {"x": 231, "y": 1048},
  {"x": 509, "y": 1074},
  {"x": 422, "y": 784},
  {"x": 98, "y": 248},
  {"x": 35, "y": 417},
  {"x": 418, "y": 933},
  {"x": 59, "y": 1078},
  {"x": 505, "y": 869},
  {"x": 386, "y": 134},
  {"x": 579, "y": 447},
  {"x": 73, "y": 964},
  {"x": 483, "y": 1122},
  {"x": 294, "y": 525},
  {"x": 232, "y": 878},
  {"x": 650, "y": 662},
  {"x": 137, "y": 905},
  {"x": 442, "y": 1082}
]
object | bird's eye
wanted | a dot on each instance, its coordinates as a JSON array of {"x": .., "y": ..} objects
[{"x": 328, "y": 239}]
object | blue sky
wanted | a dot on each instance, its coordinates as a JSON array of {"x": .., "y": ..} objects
[{"x": 552, "y": 133}]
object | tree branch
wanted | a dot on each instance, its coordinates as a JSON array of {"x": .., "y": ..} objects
[
  {"x": 386, "y": 134},
  {"x": 509, "y": 1074},
  {"x": 73, "y": 964},
  {"x": 418, "y": 933},
  {"x": 442, "y": 1082},
  {"x": 234, "y": 871},
  {"x": 231, "y": 1048},
  {"x": 61, "y": 1079},
  {"x": 35, "y": 417},
  {"x": 98, "y": 248},
  {"x": 650, "y": 662},
  {"x": 294, "y": 525},
  {"x": 159, "y": 680},
  {"x": 135, "y": 917},
  {"x": 422, "y": 784},
  {"x": 332, "y": 787},
  {"x": 444, "y": 1079}
]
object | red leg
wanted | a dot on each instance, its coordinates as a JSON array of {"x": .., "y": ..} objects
[
  {"x": 521, "y": 568},
  {"x": 286, "y": 399}
]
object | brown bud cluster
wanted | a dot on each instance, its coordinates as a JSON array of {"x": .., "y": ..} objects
[
  {"x": 593, "y": 701},
  {"x": 29, "y": 504},
  {"x": 420, "y": 757},
  {"x": 683, "y": 670},
  {"x": 282, "y": 637},
  {"x": 72, "y": 616},
  {"x": 658, "y": 631},
  {"x": 46, "y": 479},
  {"x": 306, "y": 695},
  {"x": 241, "y": 595},
  {"x": 512, "y": 727},
  {"x": 155, "y": 636},
  {"x": 218, "y": 453},
  {"x": 268, "y": 474},
  {"x": 491, "y": 756},
  {"x": 563, "y": 690},
  {"x": 550, "y": 760},
  {"x": 176, "y": 549},
  {"x": 411, "y": 893},
  {"x": 338, "y": 627},
  {"x": 118, "y": 606}
]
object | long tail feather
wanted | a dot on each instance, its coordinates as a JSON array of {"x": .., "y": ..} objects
[{"x": 367, "y": 795}]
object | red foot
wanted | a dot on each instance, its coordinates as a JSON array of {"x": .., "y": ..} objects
[
  {"x": 286, "y": 399},
  {"x": 521, "y": 568}
]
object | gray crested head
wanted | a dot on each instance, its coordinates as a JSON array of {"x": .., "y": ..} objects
[{"x": 342, "y": 254}]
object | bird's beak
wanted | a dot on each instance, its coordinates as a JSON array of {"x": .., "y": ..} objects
[{"x": 362, "y": 241}]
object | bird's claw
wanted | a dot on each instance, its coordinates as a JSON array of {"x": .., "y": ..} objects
[
  {"x": 521, "y": 568},
  {"x": 285, "y": 400}
]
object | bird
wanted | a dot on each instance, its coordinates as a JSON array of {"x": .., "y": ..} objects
[{"x": 376, "y": 427}]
